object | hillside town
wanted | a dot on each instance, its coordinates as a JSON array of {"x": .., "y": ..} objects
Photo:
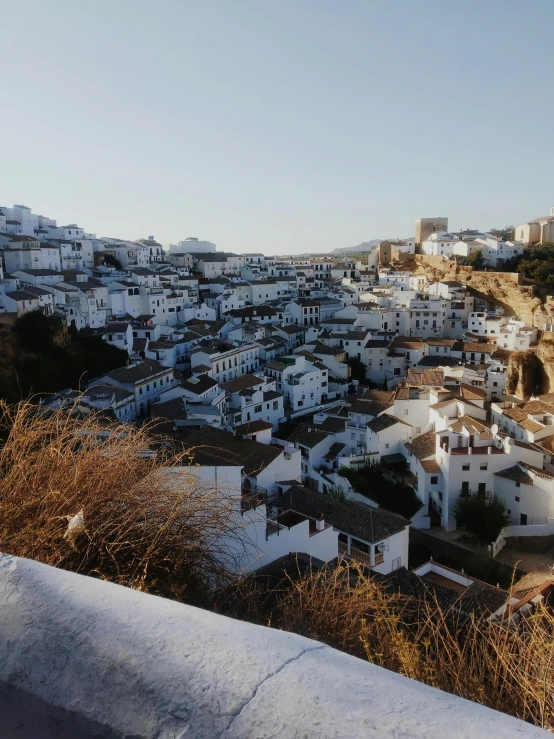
[{"x": 294, "y": 373}]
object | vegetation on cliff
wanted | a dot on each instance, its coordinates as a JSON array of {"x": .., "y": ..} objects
[
  {"x": 539, "y": 265},
  {"x": 38, "y": 355}
]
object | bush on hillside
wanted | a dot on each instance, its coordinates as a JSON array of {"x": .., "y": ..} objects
[
  {"x": 506, "y": 668},
  {"x": 483, "y": 517},
  {"x": 369, "y": 480},
  {"x": 40, "y": 356},
  {"x": 144, "y": 527}
]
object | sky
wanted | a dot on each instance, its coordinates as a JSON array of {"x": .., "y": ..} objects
[{"x": 277, "y": 126}]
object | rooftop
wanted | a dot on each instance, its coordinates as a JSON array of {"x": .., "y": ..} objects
[
  {"x": 358, "y": 519},
  {"x": 213, "y": 447}
]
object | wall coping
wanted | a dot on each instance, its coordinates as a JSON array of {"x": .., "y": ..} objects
[{"x": 82, "y": 657}]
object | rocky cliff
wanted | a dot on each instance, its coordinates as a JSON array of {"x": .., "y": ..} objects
[
  {"x": 524, "y": 375},
  {"x": 500, "y": 288},
  {"x": 545, "y": 356}
]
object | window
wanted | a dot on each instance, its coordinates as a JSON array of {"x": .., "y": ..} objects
[
  {"x": 434, "y": 480},
  {"x": 440, "y": 495},
  {"x": 518, "y": 485},
  {"x": 483, "y": 466},
  {"x": 465, "y": 466},
  {"x": 406, "y": 411},
  {"x": 517, "y": 498},
  {"x": 386, "y": 446}
]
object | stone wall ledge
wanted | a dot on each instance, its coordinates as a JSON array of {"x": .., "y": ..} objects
[{"x": 81, "y": 658}]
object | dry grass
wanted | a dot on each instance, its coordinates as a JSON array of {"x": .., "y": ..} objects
[
  {"x": 149, "y": 529},
  {"x": 144, "y": 525},
  {"x": 502, "y": 666}
]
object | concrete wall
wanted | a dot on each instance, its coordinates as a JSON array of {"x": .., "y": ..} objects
[{"x": 81, "y": 658}]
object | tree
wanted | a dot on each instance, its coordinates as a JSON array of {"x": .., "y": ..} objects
[
  {"x": 358, "y": 369},
  {"x": 483, "y": 517},
  {"x": 369, "y": 480},
  {"x": 36, "y": 331},
  {"x": 112, "y": 261},
  {"x": 506, "y": 234},
  {"x": 476, "y": 259}
]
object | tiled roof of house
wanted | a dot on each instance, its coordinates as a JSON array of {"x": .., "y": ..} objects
[
  {"x": 36, "y": 291},
  {"x": 439, "y": 342},
  {"x": 530, "y": 425},
  {"x": 18, "y": 295},
  {"x": 479, "y": 598},
  {"x": 537, "y": 471},
  {"x": 100, "y": 391},
  {"x": 334, "y": 450},
  {"x": 516, "y": 474},
  {"x": 380, "y": 423},
  {"x": 212, "y": 446},
  {"x": 271, "y": 395},
  {"x": 328, "y": 350},
  {"x": 139, "y": 345},
  {"x": 430, "y": 465},
  {"x": 365, "y": 522},
  {"x": 365, "y": 407},
  {"x": 308, "y": 434},
  {"x": 422, "y": 446},
  {"x": 242, "y": 383},
  {"x": 405, "y": 342},
  {"x": 479, "y": 348},
  {"x": 340, "y": 321},
  {"x": 138, "y": 372},
  {"x": 333, "y": 425},
  {"x": 173, "y": 410},
  {"x": 116, "y": 327},
  {"x": 253, "y": 427},
  {"x": 429, "y": 377},
  {"x": 199, "y": 384},
  {"x": 437, "y": 360},
  {"x": 470, "y": 392},
  {"x": 292, "y": 329}
]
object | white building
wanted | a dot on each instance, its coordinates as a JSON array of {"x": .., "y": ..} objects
[
  {"x": 146, "y": 381},
  {"x": 373, "y": 537},
  {"x": 304, "y": 384}
]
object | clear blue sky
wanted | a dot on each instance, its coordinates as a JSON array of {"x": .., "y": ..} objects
[{"x": 281, "y": 127}]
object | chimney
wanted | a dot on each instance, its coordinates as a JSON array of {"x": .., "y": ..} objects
[{"x": 320, "y": 522}]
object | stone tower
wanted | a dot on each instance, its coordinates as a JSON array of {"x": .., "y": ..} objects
[{"x": 425, "y": 227}]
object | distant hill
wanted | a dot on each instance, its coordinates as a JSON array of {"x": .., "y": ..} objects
[{"x": 364, "y": 246}]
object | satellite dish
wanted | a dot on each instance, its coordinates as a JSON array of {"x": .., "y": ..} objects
[{"x": 494, "y": 429}]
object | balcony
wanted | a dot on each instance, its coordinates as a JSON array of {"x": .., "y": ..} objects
[
  {"x": 470, "y": 493},
  {"x": 356, "y": 424},
  {"x": 359, "y": 555},
  {"x": 253, "y": 496}
]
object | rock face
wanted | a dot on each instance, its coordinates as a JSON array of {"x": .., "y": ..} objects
[
  {"x": 501, "y": 288},
  {"x": 545, "y": 355},
  {"x": 524, "y": 375}
]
